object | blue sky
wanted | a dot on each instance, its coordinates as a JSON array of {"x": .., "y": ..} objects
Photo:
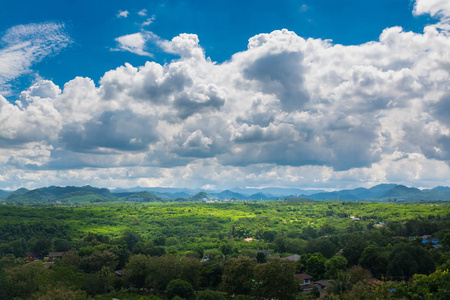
[
  {"x": 223, "y": 27},
  {"x": 217, "y": 94}
]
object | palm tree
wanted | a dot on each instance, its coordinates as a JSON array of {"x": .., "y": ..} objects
[{"x": 341, "y": 284}]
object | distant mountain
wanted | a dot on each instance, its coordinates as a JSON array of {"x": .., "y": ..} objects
[
  {"x": 441, "y": 189},
  {"x": 72, "y": 194},
  {"x": 276, "y": 192},
  {"x": 143, "y": 197},
  {"x": 385, "y": 192},
  {"x": 159, "y": 190},
  {"x": 202, "y": 196},
  {"x": 227, "y": 194},
  {"x": 61, "y": 194},
  {"x": 401, "y": 191},
  {"x": 237, "y": 193},
  {"x": 262, "y": 196}
]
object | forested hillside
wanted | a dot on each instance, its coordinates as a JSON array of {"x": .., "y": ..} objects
[{"x": 71, "y": 195}]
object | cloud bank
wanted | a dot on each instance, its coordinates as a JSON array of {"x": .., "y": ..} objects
[{"x": 288, "y": 111}]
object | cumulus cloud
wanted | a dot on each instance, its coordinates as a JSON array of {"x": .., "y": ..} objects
[
  {"x": 134, "y": 43},
  {"x": 439, "y": 8},
  {"x": 287, "y": 111},
  {"x": 23, "y": 46},
  {"x": 142, "y": 12},
  {"x": 435, "y": 8},
  {"x": 123, "y": 13}
]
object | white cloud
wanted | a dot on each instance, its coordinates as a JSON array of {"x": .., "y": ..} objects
[
  {"x": 285, "y": 112},
  {"x": 185, "y": 45},
  {"x": 123, "y": 13},
  {"x": 25, "y": 45},
  {"x": 435, "y": 8},
  {"x": 142, "y": 12},
  {"x": 134, "y": 43},
  {"x": 148, "y": 21}
]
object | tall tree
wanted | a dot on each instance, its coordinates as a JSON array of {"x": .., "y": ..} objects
[
  {"x": 275, "y": 280},
  {"x": 237, "y": 276}
]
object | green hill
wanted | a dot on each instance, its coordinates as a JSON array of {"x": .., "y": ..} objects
[
  {"x": 62, "y": 194},
  {"x": 202, "y": 196}
]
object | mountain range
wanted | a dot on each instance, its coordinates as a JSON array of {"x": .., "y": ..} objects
[{"x": 71, "y": 194}]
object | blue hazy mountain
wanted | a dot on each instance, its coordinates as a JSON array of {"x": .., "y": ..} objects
[{"x": 88, "y": 193}]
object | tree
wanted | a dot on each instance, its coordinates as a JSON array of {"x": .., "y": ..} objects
[
  {"x": 434, "y": 286},
  {"x": 310, "y": 231},
  {"x": 276, "y": 279},
  {"x": 354, "y": 247},
  {"x": 315, "y": 266},
  {"x": 136, "y": 270},
  {"x": 261, "y": 257},
  {"x": 294, "y": 246},
  {"x": 71, "y": 258},
  {"x": 335, "y": 265},
  {"x": 226, "y": 248},
  {"x": 406, "y": 260},
  {"x": 61, "y": 245},
  {"x": 130, "y": 238},
  {"x": 341, "y": 284},
  {"x": 42, "y": 246},
  {"x": 180, "y": 288},
  {"x": 237, "y": 276},
  {"x": 324, "y": 246},
  {"x": 94, "y": 262},
  {"x": 373, "y": 259},
  {"x": 162, "y": 270},
  {"x": 358, "y": 273},
  {"x": 26, "y": 279},
  {"x": 211, "y": 273},
  {"x": 190, "y": 271},
  {"x": 107, "y": 277}
]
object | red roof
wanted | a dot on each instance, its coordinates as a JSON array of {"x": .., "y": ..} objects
[{"x": 303, "y": 276}]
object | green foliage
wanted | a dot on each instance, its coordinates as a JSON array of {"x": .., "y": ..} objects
[
  {"x": 353, "y": 249},
  {"x": 373, "y": 259},
  {"x": 97, "y": 260},
  {"x": 261, "y": 257},
  {"x": 180, "y": 288},
  {"x": 237, "y": 276},
  {"x": 315, "y": 266},
  {"x": 275, "y": 280},
  {"x": 434, "y": 286},
  {"x": 406, "y": 260},
  {"x": 335, "y": 265},
  {"x": 22, "y": 281},
  {"x": 101, "y": 238},
  {"x": 324, "y": 246},
  {"x": 210, "y": 295}
]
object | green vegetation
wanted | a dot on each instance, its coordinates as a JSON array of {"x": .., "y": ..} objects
[{"x": 165, "y": 250}]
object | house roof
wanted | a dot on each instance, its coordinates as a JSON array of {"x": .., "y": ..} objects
[
  {"x": 56, "y": 254},
  {"x": 323, "y": 282},
  {"x": 303, "y": 276},
  {"x": 294, "y": 257}
]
